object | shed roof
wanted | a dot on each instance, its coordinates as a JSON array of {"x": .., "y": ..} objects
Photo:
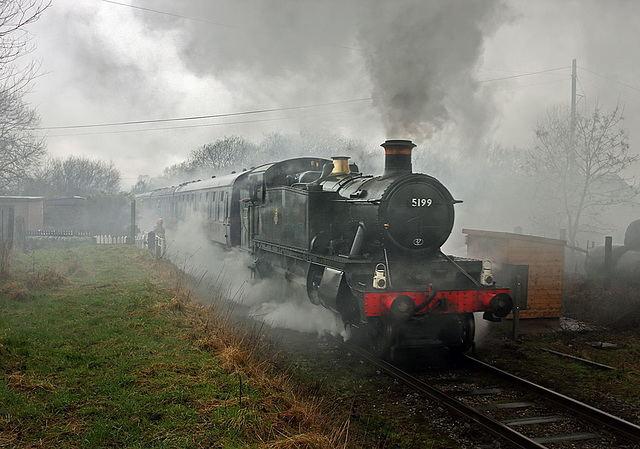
[
  {"x": 514, "y": 236},
  {"x": 21, "y": 198}
]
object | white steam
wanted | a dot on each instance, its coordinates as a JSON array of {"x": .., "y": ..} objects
[
  {"x": 277, "y": 303},
  {"x": 284, "y": 305}
]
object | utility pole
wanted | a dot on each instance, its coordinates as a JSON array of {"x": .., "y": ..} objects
[{"x": 574, "y": 77}]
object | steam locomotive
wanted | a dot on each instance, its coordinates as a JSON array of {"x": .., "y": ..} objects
[{"x": 366, "y": 247}]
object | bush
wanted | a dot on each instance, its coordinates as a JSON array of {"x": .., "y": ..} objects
[{"x": 616, "y": 307}]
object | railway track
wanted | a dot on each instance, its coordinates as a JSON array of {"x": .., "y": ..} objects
[{"x": 518, "y": 412}]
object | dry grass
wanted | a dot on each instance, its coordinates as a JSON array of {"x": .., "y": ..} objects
[
  {"x": 302, "y": 441},
  {"x": 291, "y": 414},
  {"x": 15, "y": 291},
  {"x": 47, "y": 279},
  {"x": 25, "y": 382},
  {"x": 20, "y": 288},
  {"x": 75, "y": 268},
  {"x": 176, "y": 305}
]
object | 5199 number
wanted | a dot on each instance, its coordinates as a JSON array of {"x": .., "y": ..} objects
[{"x": 421, "y": 202}]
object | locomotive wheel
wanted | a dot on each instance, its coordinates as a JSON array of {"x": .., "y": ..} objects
[
  {"x": 383, "y": 337},
  {"x": 468, "y": 328}
]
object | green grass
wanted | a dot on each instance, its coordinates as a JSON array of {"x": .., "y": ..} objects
[
  {"x": 100, "y": 358},
  {"x": 100, "y": 348}
]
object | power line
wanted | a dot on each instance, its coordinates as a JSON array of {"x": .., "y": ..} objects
[
  {"x": 201, "y": 117},
  {"x": 240, "y": 122},
  {"x": 262, "y": 111},
  {"x": 346, "y": 47},
  {"x": 611, "y": 79},
  {"x": 525, "y": 74},
  {"x": 502, "y": 89},
  {"x": 128, "y": 131},
  {"x": 168, "y": 13}
]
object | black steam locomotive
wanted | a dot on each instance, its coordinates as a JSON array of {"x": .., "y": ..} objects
[{"x": 367, "y": 247}]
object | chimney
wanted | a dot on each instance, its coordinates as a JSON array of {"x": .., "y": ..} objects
[{"x": 397, "y": 157}]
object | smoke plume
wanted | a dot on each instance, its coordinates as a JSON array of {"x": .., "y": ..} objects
[
  {"x": 416, "y": 59},
  {"x": 422, "y": 57}
]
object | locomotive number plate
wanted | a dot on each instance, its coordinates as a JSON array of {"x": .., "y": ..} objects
[{"x": 421, "y": 202}]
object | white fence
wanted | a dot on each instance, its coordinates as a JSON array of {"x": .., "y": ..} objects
[
  {"x": 111, "y": 239},
  {"x": 152, "y": 242},
  {"x": 148, "y": 240}
]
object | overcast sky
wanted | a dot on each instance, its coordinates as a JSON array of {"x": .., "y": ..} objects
[{"x": 446, "y": 74}]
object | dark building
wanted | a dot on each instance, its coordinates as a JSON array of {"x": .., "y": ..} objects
[{"x": 66, "y": 214}]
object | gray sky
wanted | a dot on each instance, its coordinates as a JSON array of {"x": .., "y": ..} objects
[{"x": 446, "y": 74}]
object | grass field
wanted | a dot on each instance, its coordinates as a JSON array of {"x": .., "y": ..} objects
[{"x": 98, "y": 349}]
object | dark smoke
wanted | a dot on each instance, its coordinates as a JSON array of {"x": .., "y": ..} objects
[
  {"x": 421, "y": 57},
  {"x": 416, "y": 58}
]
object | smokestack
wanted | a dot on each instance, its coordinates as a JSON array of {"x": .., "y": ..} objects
[{"x": 397, "y": 157}]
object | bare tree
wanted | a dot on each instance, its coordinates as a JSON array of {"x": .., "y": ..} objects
[
  {"x": 224, "y": 154},
  {"x": 579, "y": 172},
  {"x": 15, "y": 41},
  {"x": 74, "y": 176},
  {"x": 143, "y": 184},
  {"x": 237, "y": 153},
  {"x": 276, "y": 146},
  {"x": 20, "y": 149}
]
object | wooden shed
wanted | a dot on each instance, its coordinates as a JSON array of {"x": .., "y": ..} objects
[
  {"x": 536, "y": 263},
  {"x": 26, "y": 209}
]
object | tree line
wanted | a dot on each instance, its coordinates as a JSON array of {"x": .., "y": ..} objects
[{"x": 235, "y": 153}]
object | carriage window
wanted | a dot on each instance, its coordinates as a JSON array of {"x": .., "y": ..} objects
[
  {"x": 214, "y": 206},
  {"x": 220, "y": 207}
]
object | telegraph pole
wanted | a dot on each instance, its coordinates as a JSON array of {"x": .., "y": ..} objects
[{"x": 574, "y": 77}]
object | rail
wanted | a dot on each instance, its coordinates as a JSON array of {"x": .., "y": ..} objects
[
  {"x": 619, "y": 425},
  {"x": 503, "y": 429},
  {"x": 495, "y": 427}
]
